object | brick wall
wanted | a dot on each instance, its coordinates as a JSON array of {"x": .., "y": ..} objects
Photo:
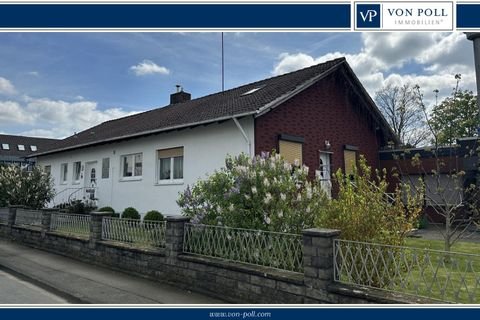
[
  {"x": 325, "y": 111},
  {"x": 230, "y": 281}
]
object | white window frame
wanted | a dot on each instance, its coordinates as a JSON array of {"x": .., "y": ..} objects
[
  {"x": 49, "y": 171},
  {"x": 33, "y": 148},
  {"x": 21, "y": 147},
  {"x": 5, "y": 146},
  {"x": 64, "y": 173},
  {"x": 133, "y": 177},
  {"x": 108, "y": 169},
  {"x": 74, "y": 180},
  {"x": 171, "y": 180}
]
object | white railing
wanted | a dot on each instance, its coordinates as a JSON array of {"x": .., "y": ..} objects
[
  {"x": 439, "y": 275},
  {"x": 70, "y": 223},
  {"x": 137, "y": 232},
  {"x": 4, "y": 212},
  {"x": 28, "y": 217},
  {"x": 272, "y": 249}
]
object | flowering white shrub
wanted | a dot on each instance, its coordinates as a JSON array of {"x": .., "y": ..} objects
[
  {"x": 265, "y": 193},
  {"x": 20, "y": 187}
]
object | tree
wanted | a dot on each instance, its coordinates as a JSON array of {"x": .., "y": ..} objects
[
  {"x": 403, "y": 112},
  {"x": 448, "y": 190},
  {"x": 18, "y": 186},
  {"x": 456, "y": 116}
]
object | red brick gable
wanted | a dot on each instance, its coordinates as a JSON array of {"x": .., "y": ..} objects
[{"x": 324, "y": 111}]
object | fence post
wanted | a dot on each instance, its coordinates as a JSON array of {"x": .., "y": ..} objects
[
  {"x": 174, "y": 237},
  {"x": 12, "y": 215},
  {"x": 96, "y": 227},
  {"x": 46, "y": 219},
  {"x": 318, "y": 262}
]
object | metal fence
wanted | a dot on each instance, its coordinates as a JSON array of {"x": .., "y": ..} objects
[
  {"x": 28, "y": 217},
  {"x": 143, "y": 233},
  {"x": 4, "y": 215},
  {"x": 71, "y": 223},
  {"x": 271, "y": 249},
  {"x": 439, "y": 275}
]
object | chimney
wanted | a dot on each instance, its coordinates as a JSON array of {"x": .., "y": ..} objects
[{"x": 180, "y": 96}]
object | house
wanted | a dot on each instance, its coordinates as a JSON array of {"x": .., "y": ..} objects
[
  {"x": 320, "y": 115},
  {"x": 15, "y": 149}
]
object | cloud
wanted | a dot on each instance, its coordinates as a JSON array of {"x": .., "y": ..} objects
[
  {"x": 6, "y": 87},
  {"x": 34, "y": 73},
  {"x": 428, "y": 59},
  {"x": 55, "y": 118},
  {"x": 147, "y": 67}
]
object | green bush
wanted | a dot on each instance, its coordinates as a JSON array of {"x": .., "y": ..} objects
[
  {"x": 130, "y": 213},
  {"x": 106, "y": 209},
  {"x": 77, "y": 207},
  {"x": 363, "y": 213},
  {"x": 33, "y": 189},
  {"x": 153, "y": 215},
  {"x": 263, "y": 193}
]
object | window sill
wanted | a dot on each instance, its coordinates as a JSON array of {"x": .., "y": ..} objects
[
  {"x": 76, "y": 182},
  {"x": 169, "y": 182},
  {"x": 126, "y": 179},
  {"x": 63, "y": 183}
]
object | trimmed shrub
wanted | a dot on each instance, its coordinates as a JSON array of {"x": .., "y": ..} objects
[
  {"x": 130, "y": 213},
  {"x": 153, "y": 215},
  {"x": 106, "y": 209}
]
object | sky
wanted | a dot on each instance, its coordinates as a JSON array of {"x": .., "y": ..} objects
[{"x": 56, "y": 84}]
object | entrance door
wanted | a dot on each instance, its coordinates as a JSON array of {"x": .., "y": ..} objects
[
  {"x": 324, "y": 173},
  {"x": 91, "y": 176}
]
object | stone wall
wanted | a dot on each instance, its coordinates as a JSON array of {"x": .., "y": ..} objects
[{"x": 231, "y": 281}]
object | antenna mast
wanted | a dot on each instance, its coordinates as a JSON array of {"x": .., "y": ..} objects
[{"x": 223, "y": 67}]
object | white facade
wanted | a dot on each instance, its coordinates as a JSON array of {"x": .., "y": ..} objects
[{"x": 204, "y": 150}]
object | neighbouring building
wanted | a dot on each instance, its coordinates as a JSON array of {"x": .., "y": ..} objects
[
  {"x": 15, "y": 149},
  {"x": 320, "y": 115},
  {"x": 437, "y": 169}
]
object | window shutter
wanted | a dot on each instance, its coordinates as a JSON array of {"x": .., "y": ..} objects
[
  {"x": 350, "y": 158},
  {"x": 170, "y": 153},
  {"x": 290, "y": 150}
]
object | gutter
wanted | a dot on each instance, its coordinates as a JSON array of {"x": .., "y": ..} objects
[{"x": 139, "y": 134}]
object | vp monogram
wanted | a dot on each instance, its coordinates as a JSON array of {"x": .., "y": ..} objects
[{"x": 370, "y": 14}]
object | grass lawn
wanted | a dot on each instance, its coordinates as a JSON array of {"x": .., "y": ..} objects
[
  {"x": 419, "y": 268},
  {"x": 448, "y": 277}
]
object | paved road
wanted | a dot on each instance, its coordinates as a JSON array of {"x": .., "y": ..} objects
[
  {"x": 86, "y": 283},
  {"x": 16, "y": 291}
]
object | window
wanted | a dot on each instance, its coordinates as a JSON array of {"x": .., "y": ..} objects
[
  {"x": 33, "y": 148},
  {"x": 132, "y": 166},
  {"x": 63, "y": 173},
  {"x": 47, "y": 169},
  {"x": 170, "y": 165},
  {"x": 21, "y": 147},
  {"x": 5, "y": 146},
  {"x": 105, "y": 168},
  {"x": 350, "y": 159},
  {"x": 291, "y": 148},
  {"x": 77, "y": 168}
]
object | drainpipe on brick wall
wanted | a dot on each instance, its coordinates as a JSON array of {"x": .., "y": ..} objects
[{"x": 245, "y": 136}]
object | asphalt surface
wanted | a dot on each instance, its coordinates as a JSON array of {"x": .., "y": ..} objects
[
  {"x": 14, "y": 290},
  {"x": 79, "y": 282}
]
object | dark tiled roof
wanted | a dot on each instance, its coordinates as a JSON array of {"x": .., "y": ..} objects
[
  {"x": 42, "y": 144},
  {"x": 214, "y": 107}
]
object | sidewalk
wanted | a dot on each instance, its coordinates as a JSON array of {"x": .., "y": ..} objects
[{"x": 79, "y": 282}]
